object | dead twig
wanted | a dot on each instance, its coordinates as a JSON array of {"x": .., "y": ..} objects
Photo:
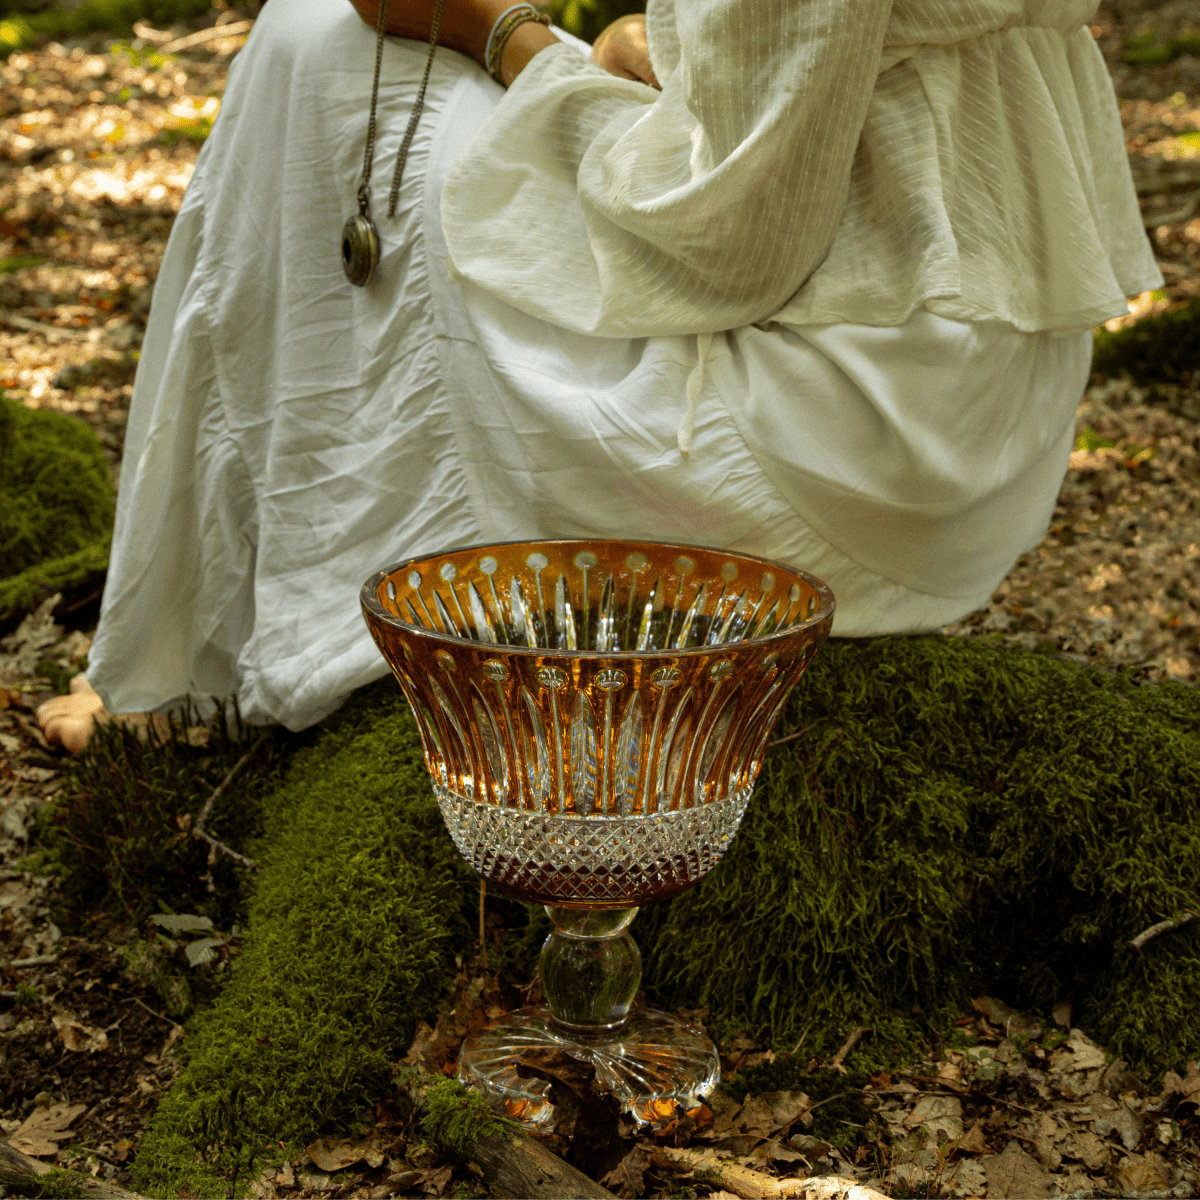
[
  {"x": 28, "y": 326},
  {"x": 710, "y": 1168},
  {"x": 1178, "y": 217},
  {"x": 482, "y": 926},
  {"x": 791, "y": 737},
  {"x": 1162, "y": 927},
  {"x": 192, "y": 40},
  {"x": 135, "y": 1000},
  {"x": 840, "y": 1057},
  {"x": 197, "y": 824},
  {"x": 800, "y": 1043}
]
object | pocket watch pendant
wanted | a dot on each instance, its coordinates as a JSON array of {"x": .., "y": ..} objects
[{"x": 360, "y": 249}]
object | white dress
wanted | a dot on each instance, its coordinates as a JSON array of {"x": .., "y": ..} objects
[{"x": 840, "y": 318}]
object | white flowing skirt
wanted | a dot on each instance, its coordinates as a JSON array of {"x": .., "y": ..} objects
[{"x": 290, "y": 434}]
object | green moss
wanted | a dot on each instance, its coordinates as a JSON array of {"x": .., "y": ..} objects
[
  {"x": 1148, "y": 48},
  {"x": 456, "y": 1117},
  {"x": 586, "y": 18},
  {"x": 359, "y": 911},
  {"x": 1164, "y": 347},
  {"x": 55, "y": 1184},
  {"x": 964, "y": 818},
  {"x": 56, "y": 506},
  {"x": 118, "y": 830},
  {"x": 26, "y": 26}
]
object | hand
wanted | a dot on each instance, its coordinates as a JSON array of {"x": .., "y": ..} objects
[{"x": 622, "y": 50}]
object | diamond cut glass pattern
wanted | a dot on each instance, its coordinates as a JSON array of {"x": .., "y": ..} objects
[{"x": 594, "y": 714}]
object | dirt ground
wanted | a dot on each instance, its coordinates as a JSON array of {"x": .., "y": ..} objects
[{"x": 97, "y": 143}]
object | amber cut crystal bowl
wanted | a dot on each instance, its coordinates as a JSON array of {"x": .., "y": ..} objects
[{"x": 593, "y": 715}]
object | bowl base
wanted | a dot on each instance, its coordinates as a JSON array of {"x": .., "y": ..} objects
[{"x": 652, "y": 1061}]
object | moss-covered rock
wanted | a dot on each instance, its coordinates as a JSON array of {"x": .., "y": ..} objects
[
  {"x": 962, "y": 817},
  {"x": 56, "y": 506},
  {"x": 362, "y": 905},
  {"x": 1165, "y": 347}
]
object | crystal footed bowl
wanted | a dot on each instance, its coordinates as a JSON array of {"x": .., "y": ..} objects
[{"x": 594, "y": 713}]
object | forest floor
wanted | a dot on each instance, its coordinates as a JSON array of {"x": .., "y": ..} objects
[{"x": 97, "y": 143}]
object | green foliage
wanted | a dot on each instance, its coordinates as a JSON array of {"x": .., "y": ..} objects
[
  {"x": 586, "y": 18},
  {"x": 359, "y": 910},
  {"x": 55, "y": 496},
  {"x": 27, "y": 996},
  {"x": 23, "y": 28},
  {"x": 9, "y": 265},
  {"x": 119, "y": 829},
  {"x": 1164, "y": 347},
  {"x": 55, "y": 1184},
  {"x": 964, "y": 818},
  {"x": 456, "y": 1117},
  {"x": 1148, "y": 48},
  {"x": 78, "y": 573}
]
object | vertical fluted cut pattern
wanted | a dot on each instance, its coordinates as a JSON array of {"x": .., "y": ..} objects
[{"x": 594, "y": 714}]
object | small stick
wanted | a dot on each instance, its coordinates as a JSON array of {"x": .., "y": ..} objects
[
  {"x": 482, "y": 926},
  {"x": 1162, "y": 927},
  {"x": 724, "y": 1173},
  {"x": 791, "y": 737},
  {"x": 801, "y": 1041},
  {"x": 197, "y": 824},
  {"x": 848, "y": 1045},
  {"x": 151, "y": 1011},
  {"x": 221, "y": 787}
]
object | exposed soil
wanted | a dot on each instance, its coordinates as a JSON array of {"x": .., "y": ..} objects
[{"x": 97, "y": 143}]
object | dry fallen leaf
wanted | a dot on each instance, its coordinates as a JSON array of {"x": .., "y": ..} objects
[
  {"x": 45, "y": 1127},
  {"x": 1124, "y": 1122},
  {"x": 1078, "y": 1053},
  {"x": 78, "y": 1036},
  {"x": 974, "y": 1141},
  {"x": 1143, "y": 1173},
  {"x": 939, "y": 1116},
  {"x": 335, "y": 1154},
  {"x": 1015, "y": 1175},
  {"x": 1188, "y": 1088}
]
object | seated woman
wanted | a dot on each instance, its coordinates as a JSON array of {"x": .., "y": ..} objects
[{"x": 827, "y": 297}]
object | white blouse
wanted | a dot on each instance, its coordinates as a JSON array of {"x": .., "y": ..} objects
[{"x": 810, "y": 162}]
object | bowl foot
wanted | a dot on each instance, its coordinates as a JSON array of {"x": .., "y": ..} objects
[{"x": 650, "y": 1062}]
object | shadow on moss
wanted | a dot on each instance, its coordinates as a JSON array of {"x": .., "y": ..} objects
[
  {"x": 1162, "y": 348},
  {"x": 964, "y": 818},
  {"x": 361, "y": 907},
  {"x": 56, "y": 507}
]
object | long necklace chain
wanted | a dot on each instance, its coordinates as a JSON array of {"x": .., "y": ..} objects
[{"x": 360, "y": 237}]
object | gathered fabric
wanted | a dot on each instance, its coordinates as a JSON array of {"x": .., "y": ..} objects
[
  {"x": 811, "y": 163},
  {"x": 549, "y": 327}
]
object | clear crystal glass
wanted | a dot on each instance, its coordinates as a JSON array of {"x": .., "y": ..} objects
[{"x": 594, "y": 715}]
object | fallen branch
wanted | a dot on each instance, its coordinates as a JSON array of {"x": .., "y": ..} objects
[
  {"x": 709, "y": 1168},
  {"x": 1178, "y": 217},
  {"x": 18, "y": 1171},
  {"x": 1162, "y": 927},
  {"x": 791, "y": 737},
  {"x": 28, "y": 326},
  {"x": 197, "y": 824},
  {"x": 840, "y": 1057},
  {"x": 232, "y": 29},
  {"x": 521, "y": 1167}
]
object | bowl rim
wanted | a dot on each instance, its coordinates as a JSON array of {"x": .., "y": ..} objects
[{"x": 824, "y": 612}]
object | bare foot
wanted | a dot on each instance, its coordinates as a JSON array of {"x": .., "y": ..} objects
[{"x": 70, "y": 719}]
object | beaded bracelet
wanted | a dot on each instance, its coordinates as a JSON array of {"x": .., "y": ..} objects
[{"x": 506, "y": 25}]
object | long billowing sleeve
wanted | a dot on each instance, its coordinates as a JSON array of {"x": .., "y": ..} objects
[
  {"x": 811, "y": 162},
  {"x": 705, "y": 207}
]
